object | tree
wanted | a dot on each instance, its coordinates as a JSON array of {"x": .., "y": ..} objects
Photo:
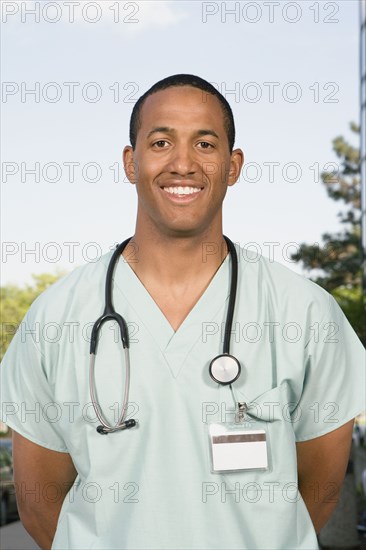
[
  {"x": 15, "y": 302},
  {"x": 339, "y": 259}
]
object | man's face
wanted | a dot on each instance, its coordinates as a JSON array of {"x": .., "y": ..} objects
[{"x": 182, "y": 142}]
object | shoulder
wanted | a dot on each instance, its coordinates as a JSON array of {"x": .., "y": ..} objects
[
  {"x": 73, "y": 291},
  {"x": 281, "y": 286}
]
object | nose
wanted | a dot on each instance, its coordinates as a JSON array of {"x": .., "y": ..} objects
[{"x": 182, "y": 161}]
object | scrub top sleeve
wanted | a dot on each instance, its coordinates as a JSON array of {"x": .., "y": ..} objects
[
  {"x": 25, "y": 393},
  {"x": 334, "y": 383}
]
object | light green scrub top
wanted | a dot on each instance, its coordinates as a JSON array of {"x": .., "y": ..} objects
[{"x": 151, "y": 487}]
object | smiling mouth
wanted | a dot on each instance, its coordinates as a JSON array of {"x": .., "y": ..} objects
[{"x": 182, "y": 190}]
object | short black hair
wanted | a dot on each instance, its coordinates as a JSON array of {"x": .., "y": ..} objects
[{"x": 183, "y": 80}]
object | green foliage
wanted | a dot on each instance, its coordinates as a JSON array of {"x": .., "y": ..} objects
[
  {"x": 353, "y": 302},
  {"x": 339, "y": 258},
  {"x": 15, "y": 302}
]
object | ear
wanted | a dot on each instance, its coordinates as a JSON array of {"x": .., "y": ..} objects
[
  {"x": 129, "y": 164},
  {"x": 236, "y": 163}
]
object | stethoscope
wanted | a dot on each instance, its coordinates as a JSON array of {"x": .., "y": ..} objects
[{"x": 224, "y": 369}]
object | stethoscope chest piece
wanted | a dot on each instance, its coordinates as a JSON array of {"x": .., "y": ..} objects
[{"x": 224, "y": 369}]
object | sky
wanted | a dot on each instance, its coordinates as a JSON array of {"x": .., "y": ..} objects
[{"x": 71, "y": 72}]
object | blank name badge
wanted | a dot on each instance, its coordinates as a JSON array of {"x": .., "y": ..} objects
[{"x": 234, "y": 448}]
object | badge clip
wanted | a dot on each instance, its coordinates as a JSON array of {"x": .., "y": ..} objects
[{"x": 242, "y": 409}]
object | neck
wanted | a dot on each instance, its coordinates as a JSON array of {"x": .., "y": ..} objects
[{"x": 176, "y": 261}]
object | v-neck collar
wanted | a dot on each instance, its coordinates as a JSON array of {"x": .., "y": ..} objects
[{"x": 174, "y": 345}]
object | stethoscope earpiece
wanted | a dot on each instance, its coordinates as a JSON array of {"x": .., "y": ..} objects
[
  {"x": 101, "y": 430},
  {"x": 131, "y": 423}
]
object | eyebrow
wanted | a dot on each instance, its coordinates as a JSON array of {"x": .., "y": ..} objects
[{"x": 167, "y": 130}]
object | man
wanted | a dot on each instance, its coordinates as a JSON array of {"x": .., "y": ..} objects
[{"x": 154, "y": 486}]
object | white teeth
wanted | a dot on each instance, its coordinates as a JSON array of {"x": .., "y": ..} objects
[{"x": 182, "y": 190}]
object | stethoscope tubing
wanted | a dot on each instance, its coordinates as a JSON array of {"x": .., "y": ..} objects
[
  {"x": 109, "y": 314},
  {"x": 232, "y": 296},
  {"x": 94, "y": 397}
]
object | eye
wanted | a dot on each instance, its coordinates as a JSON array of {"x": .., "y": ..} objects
[
  {"x": 160, "y": 144},
  {"x": 205, "y": 145}
]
